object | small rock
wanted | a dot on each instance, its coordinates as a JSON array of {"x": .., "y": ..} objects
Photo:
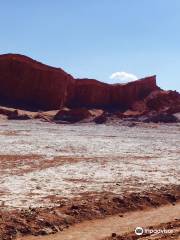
[
  {"x": 100, "y": 119},
  {"x": 114, "y": 235}
]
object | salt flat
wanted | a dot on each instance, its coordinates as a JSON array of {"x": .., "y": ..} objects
[{"x": 43, "y": 162}]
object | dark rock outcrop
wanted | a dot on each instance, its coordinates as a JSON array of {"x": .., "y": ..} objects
[
  {"x": 159, "y": 118},
  {"x": 16, "y": 115},
  {"x": 100, "y": 119},
  {"x": 167, "y": 101},
  {"x": 72, "y": 115}
]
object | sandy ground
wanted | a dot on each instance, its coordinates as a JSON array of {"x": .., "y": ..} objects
[{"x": 99, "y": 229}]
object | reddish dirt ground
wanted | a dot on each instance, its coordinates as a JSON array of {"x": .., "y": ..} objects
[
  {"x": 121, "y": 225},
  {"x": 42, "y": 221}
]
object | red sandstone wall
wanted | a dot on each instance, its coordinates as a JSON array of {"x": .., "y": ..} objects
[
  {"x": 26, "y": 82},
  {"x": 92, "y": 93},
  {"x": 127, "y": 93}
]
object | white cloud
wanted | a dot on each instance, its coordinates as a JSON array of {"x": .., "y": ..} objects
[{"x": 122, "y": 77}]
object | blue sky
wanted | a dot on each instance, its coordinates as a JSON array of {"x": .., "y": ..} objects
[{"x": 96, "y": 38}]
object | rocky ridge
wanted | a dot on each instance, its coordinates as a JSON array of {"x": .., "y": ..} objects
[{"x": 30, "y": 89}]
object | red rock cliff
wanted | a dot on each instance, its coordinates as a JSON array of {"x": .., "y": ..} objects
[
  {"x": 124, "y": 95},
  {"x": 27, "y": 83},
  {"x": 92, "y": 93}
]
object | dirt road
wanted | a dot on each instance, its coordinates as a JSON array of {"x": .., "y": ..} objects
[{"x": 101, "y": 228}]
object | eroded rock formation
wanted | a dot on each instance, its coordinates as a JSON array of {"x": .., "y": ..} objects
[
  {"x": 30, "y": 84},
  {"x": 72, "y": 115},
  {"x": 168, "y": 101},
  {"x": 92, "y": 93}
]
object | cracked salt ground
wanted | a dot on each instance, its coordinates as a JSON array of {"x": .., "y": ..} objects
[
  {"x": 109, "y": 158},
  {"x": 86, "y": 140},
  {"x": 71, "y": 179}
]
